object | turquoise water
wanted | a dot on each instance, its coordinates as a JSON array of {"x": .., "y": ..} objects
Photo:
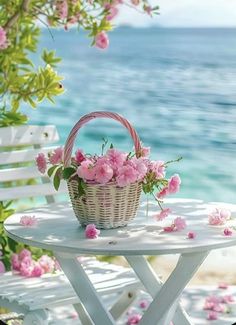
[{"x": 176, "y": 86}]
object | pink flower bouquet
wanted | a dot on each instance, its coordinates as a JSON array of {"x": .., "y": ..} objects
[{"x": 109, "y": 183}]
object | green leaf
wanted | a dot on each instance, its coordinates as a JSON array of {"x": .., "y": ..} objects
[
  {"x": 56, "y": 180},
  {"x": 68, "y": 172},
  {"x": 51, "y": 170}
]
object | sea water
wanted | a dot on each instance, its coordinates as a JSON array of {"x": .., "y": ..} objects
[{"x": 176, "y": 86}]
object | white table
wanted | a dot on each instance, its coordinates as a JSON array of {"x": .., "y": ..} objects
[{"x": 58, "y": 230}]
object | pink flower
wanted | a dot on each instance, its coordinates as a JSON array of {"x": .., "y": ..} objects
[
  {"x": 212, "y": 315},
  {"x": 144, "y": 304},
  {"x": 223, "y": 285},
  {"x": 148, "y": 10},
  {"x": 86, "y": 170},
  {"x": 112, "y": 11},
  {"x": 163, "y": 214},
  {"x": 28, "y": 221},
  {"x": 37, "y": 270},
  {"x": 162, "y": 193},
  {"x": 24, "y": 253},
  {"x": 135, "y": 2},
  {"x": 103, "y": 173},
  {"x": 15, "y": 262},
  {"x": 56, "y": 156},
  {"x": 41, "y": 163},
  {"x": 228, "y": 232},
  {"x": 3, "y": 39},
  {"x": 46, "y": 263},
  {"x": 179, "y": 223},
  {"x": 174, "y": 184},
  {"x": 79, "y": 156},
  {"x": 116, "y": 158},
  {"x": 145, "y": 151},
  {"x": 191, "y": 235},
  {"x": 91, "y": 231},
  {"x": 227, "y": 299},
  {"x": 2, "y": 267},
  {"x": 140, "y": 165},
  {"x": 126, "y": 175},
  {"x": 158, "y": 167},
  {"x": 169, "y": 228},
  {"x": 102, "y": 40},
  {"x": 134, "y": 319},
  {"x": 61, "y": 9},
  {"x": 218, "y": 216},
  {"x": 26, "y": 266}
]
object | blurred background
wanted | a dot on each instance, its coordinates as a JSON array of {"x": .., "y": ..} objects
[{"x": 174, "y": 78}]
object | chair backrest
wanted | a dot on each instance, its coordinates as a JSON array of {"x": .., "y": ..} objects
[{"x": 19, "y": 176}]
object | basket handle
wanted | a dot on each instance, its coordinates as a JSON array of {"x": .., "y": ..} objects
[{"x": 99, "y": 114}]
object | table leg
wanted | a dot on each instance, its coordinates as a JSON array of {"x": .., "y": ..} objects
[
  {"x": 84, "y": 289},
  {"x": 153, "y": 284},
  {"x": 166, "y": 296}
]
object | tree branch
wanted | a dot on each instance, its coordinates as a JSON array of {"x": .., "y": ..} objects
[{"x": 13, "y": 19}]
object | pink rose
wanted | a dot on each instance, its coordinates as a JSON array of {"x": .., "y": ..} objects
[
  {"x": 212, "y": 315},
  {"x": 103, "y": 173},
  {"x": 227, "y": 299},
  {"x": 112, "y": 11},
  {"x": 15, "y": 262},
  {"x": 228, "y": 232},
  {"x": 140, "y": 165},
  {"x": 102, "y": 40},
  {"x": 91, "y": 231},
  {"x": 24, "y": 253},
  {"x": 2, "y": 267},
  {"x": 3, "y": 39},
  {"x": 56, "y": 156},
  {"x": 46, "y": 263},
  {"x": 61, "y": 9},
  {"x": 174, "y": 184},
  {"x": 116, "y": 158},
  {"x": 37, "y": 270},
  {"x": 191, "y": 235},
  {"x": 126, "y": 175},
  {"x": 218, "y": 216},
  {"x": 162, "y": 193},
  {"x": 144, "y": 304},
  {"x": 158, "y": 167},
  {"x": 170, "y": 228},
  {"x": 26, "y": 266},
  {"x": 41, "y": 163},
  {"x": 79, "y": 156},
  {"x": 28, "y": 221},
  {"x": 179, "y": 223},
  {"x": 134, "y": 319},
  {"x": 163, "y": 214},
  {"x": 86, "y": 170}
]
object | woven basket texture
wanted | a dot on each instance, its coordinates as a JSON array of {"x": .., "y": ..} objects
[{"x": 106, "y": 206}]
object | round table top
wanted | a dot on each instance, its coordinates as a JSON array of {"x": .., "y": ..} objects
[{"x": 58, "y": 230}]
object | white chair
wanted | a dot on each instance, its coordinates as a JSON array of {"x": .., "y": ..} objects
[{"x": 32, "y": 296}]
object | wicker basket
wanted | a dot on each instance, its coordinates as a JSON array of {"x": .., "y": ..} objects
[{"x": 106, "y": 206}]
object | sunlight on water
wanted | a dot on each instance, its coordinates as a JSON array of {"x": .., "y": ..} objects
[{"x": 176, "y": 86}]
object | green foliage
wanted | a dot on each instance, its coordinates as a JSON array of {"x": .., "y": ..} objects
[{"x": 22, "y": 82}]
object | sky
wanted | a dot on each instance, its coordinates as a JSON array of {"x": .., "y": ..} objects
[{"x": 184, "y": 13}]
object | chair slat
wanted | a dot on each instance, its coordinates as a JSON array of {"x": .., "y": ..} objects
[
  {"x": 15, "y": 174},
  {"x": 28, "y": 135},
  {"x": 19, "y": 156},
  {"x": 30, "y": 191}
]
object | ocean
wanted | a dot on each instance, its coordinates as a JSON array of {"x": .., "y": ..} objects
[{"x": 176, "y": 86}]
